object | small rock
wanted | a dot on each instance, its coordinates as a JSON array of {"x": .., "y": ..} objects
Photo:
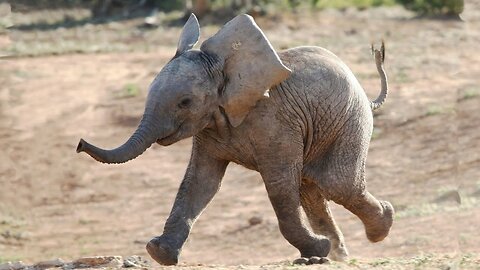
[
  {"x": 141, "y": 242},
  {"x": 99, "y": 261},
  {"x": 301, "y": 261},
  {"x": 135, "y": 261},
  {"x": 152, "y": 20},
  {"x": 49, "y": 264},
  {"x": 255, "y": 220},
  {"x": 68, "y": 266},
  {"x": 12, "y": 266}
]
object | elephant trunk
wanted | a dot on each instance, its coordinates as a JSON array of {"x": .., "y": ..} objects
[{"x": 141, "y": 139}]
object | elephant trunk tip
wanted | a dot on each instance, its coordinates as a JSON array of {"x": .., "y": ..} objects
[
  {"x": 81, "y": 146},
  {"x": 138, "y": 142},
  {"x": 91, "y": 150}
]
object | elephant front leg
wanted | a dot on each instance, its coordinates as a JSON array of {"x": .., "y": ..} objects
[
  {"x": 282, "y": 183},
  {"x": 201, "y": 182}
]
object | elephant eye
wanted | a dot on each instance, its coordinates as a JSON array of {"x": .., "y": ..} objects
[{"x": 185, "y": 103}]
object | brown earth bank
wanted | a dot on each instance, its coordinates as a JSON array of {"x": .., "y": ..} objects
[{"x": 424, "y": 156}]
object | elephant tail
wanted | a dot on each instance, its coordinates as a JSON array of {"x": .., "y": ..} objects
[{"x": 379, "y": 60}]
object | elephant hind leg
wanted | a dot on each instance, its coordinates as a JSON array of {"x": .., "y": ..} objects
[
  {"x": 340, "y": 175},
  {"x": 376, "y": 215},
  {"x": 321, "y": 219}
]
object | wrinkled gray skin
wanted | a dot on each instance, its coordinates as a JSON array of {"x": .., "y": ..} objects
[{"x": 308, "y": 139}]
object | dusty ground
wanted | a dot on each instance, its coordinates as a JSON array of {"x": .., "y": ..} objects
[{"x": 424, "y": 156}]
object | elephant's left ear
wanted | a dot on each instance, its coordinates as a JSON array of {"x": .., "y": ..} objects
[{"x": 250, "y": 64}]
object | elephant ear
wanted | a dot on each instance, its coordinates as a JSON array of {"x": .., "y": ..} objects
[
  {"x": 189, "y": 36},
  {"x": 250, "y": 64}
]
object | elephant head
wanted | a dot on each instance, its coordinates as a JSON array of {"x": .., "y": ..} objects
[{"x": 232, "y": 70}]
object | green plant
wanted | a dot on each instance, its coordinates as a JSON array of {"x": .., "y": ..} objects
[
  {"x": 169, "y": 5},
  {"x": 84, "y": 221},
  {"x": 471, "y": 93},
  {"x": 422, "y": 260},
  {"x": 353, "y": 262},
  {"x": 9, "y": 259},
  {"x": 434, "y": 110},
  {"x": 130, "y": 90},
  {"x": 376, "y": 133},
  {"x": 381, "y": 262},
  {"x": 426, "y": 209},
  {"x": 352, "y": 3},
  {"x": 434, "y": 7}
]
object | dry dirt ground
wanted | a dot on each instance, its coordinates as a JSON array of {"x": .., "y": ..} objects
[{"x": 424, "y": 156}]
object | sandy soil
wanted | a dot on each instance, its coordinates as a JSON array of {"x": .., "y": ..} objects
[{"x": 424, "y": 156}]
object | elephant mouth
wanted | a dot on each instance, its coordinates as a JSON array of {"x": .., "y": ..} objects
[
  {"x": 171, "y": 138},
  {"x": 166, "y": 141}
]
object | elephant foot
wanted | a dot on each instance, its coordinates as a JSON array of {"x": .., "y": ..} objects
[
  {"x": 161, "y": 251},
  {"x": 319, "y": 248},
  {"x": 339, "y": 254},
  {"x": 311, "y": 260},
  {"x": 382, "y": 227}
]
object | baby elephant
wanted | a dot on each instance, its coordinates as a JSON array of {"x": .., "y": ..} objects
[{"x": 299, "y": 117}]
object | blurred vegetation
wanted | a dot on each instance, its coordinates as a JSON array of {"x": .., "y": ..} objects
[
  {"x": 434, "y": 7},
  {"x": 255, "y": 7}
]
